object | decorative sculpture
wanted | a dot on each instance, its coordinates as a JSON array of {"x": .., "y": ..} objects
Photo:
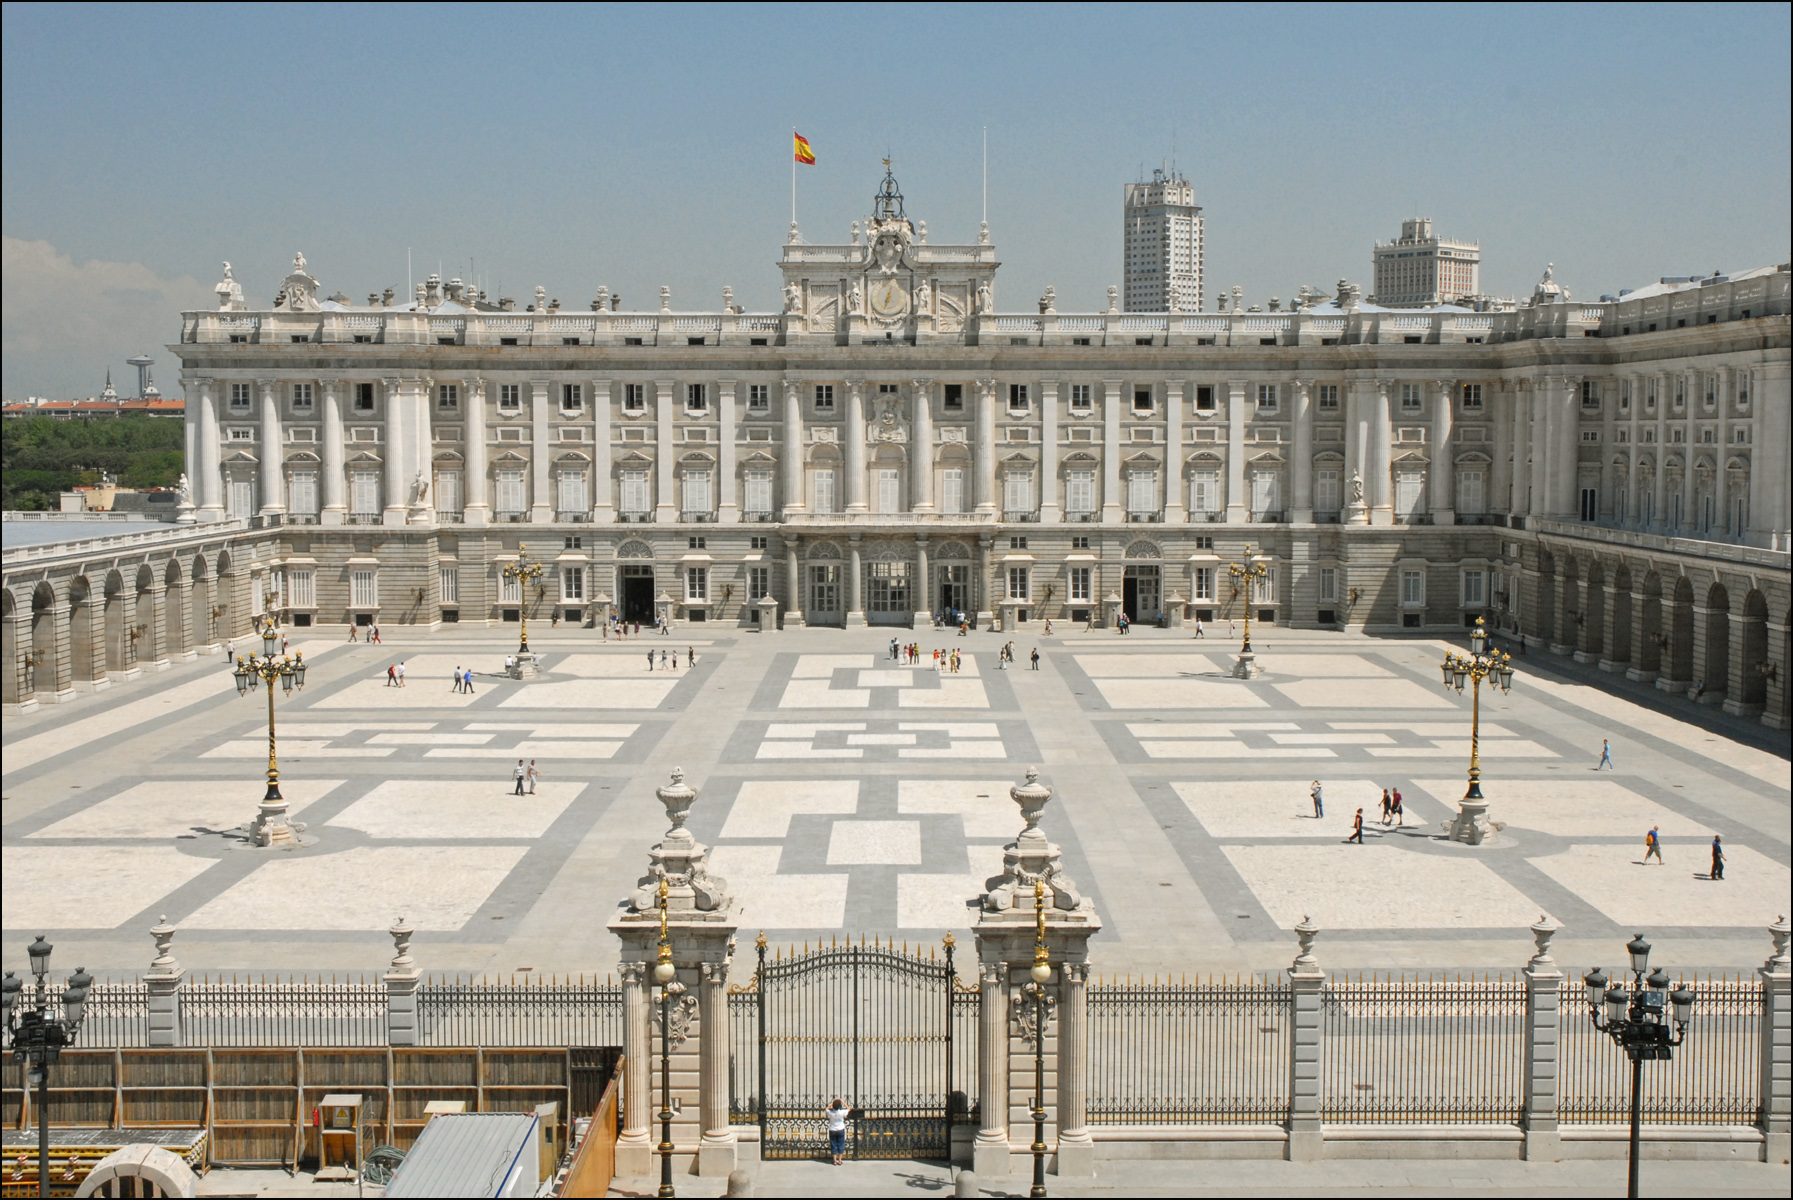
[{"x": 793, "y": 298}]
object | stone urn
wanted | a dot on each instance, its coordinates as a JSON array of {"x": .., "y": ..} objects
[{"x": 1031, "y": 797}]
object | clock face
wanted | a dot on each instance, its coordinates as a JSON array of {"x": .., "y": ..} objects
[{"x": 888, "y": 298}]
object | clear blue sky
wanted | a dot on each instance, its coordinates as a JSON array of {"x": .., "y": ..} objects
[{"x": 639, "y": 146}]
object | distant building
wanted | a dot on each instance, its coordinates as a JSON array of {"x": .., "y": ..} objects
[
  {"x": 1418, "y": 270},
  {"x": 1163, "y": 266},
  {"x": 90, "y": 408}
]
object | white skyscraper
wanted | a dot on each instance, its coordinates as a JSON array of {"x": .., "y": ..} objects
[
  {"x": 1163, "y": 267},
  {"x": 1419, "y": 269}
]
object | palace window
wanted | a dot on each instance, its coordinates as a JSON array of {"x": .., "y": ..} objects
[
  {"x": 1018, "y": 583},
  {"x": 822, "y": 488},
  {"x": 448, "y": 491},
  {"x": 364, "y": 397},
  {"x": 1329, "y": 584},
  {"x": 952, "y": 397},
  {"x": 1018, "y": 492},
  {"x": 634, "y": 490},
  {"x": 634, "y": 396},
  {"x": 1472, "y": 397},
  {"x": 364, "y": 589},
  {"x": 1475, "y": 588},
  {"x": 1326, "y": 490},
  {"x": 759, "y": 582},
  {"x": 448, "y": 396},
  {"x": 1080, "y": 395},
  {"x": 302, "y": 396},
  {"x": 759, "y": 492},
  {"x": 240, "y": 395},
  {"x": 697, "y": 583},
  {"x": 825, "y": 397},
  {"x": 572, "y": 397},
  {"x": 1328, "y": 395},
  {"x": 759, "y": 397},
  {"x": 889, "y": 495},
  {"x": 1204, "y": 398},
  {"x": 572, "y": 498},
  {"x": 364, "y": 493},
  {"x": 1204, "y": 492},
  {"x": 1080, "y": 492},
  {"x": 696, "y": 398},
  {"x": 1204, "y": 583},
  {"x": 1078, "y": 579},
  {"x": 1142, "y": 399},
  {"x": 952, "y": 490},
  {"x": 1471, "y": 496},
  {"x": 1018, "y": 396},
  {"x": 572, "y": 583},
  {"x": 1410, "y": 397},
  {"x": 510, "y": 498},
  {"x": 1142, "y": 492},
  {"x": 304, "y": 495},
  {"x": 697, "y": 491},
  {"x": 1413, "y": 589},
  {"x": 510, "y": 396},
  {"x": 1266, "y": 397},
  {"x": 302, "y": 588}
]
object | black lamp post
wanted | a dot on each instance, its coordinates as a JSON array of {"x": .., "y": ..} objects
[
  {"x": 1041, "y": 973},
  {"x": 665, "y": 974},
  {"x": 1638, "y": 1021},
  {"x": 270, "y": 827},
  {"x": 38, "y": 1036}
]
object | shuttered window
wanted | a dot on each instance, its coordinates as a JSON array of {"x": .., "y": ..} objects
[
  {"x": 1080, "y": 491},
  {"x": 759, "y": 491},
  {"x": 364, "y": 497},
  {"x": 510, "y": 492}
]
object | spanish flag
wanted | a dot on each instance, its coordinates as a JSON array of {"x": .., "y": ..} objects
[{"x": 803, "y": 153}]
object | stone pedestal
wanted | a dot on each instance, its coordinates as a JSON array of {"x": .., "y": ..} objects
[
  {"x": 1245, "y": 666},
  {"x": 523, "y": 666},
  {"x": 681, "y": 915},
  {"x": 1543, "y": 1036},
  {"x": 1470, "y": 826},
  {"x": 1356, "y": 513},
  {"x": 767, "y": 608},
  {"x": 1307, "y": 983},
  {"x": 162, "y": 982},
  {"x": 1776, "y": 1078},
  {"x": 1033, "y": 902}
]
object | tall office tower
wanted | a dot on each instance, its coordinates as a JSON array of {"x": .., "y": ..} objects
[
  {"x": 1163, "y": 267},
  {"x": 1418, "y": 269}
]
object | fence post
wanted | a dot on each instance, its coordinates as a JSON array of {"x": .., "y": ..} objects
[
  {"x": 1543, "y": 1047},
  {"x": 402, "y": 979},
  {"x": 1306, "y": 984},
  {"x": 163, "y": 983},
  {"x": 1777, "y": 1048}
]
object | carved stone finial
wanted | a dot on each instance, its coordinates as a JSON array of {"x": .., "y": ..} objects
[
  {"x": 1032, "y": 797},
  {"x": 1305, "y": 933},
  {"x": 678, "y": 797},
  {"x": 1542, "y": 932},
  {"x": 665, "y": 298},
  {"x": 1114, "y": 302},
  {"x": 401, "y": 945},
  {"x": 1778, "y": 961},
  {"x": 164, "y": 963}
]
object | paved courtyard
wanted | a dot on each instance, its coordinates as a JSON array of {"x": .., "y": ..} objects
[{"x": 845, "y": 792}]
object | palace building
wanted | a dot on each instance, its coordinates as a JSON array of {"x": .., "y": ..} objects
[{"x": 1609, "y": 479}]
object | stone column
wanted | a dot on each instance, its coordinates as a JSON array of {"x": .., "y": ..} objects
[
  {"x": 208, "y": 476},
  {"x": 1770, "y": 482},
  {"x": 793, "y": 464},
  {"x": 793, "y": 576},
  {"x": 396, "y": 452},
  {"x": 1033, "y": 903},
  {"x": 1689, "y": 455},
  {"x": 163, "y": 983},
  {"x": 1443, "y": 477},
  {"x": 333, "y": 510},
  {"x": 1236, "y": 510},
  {"x": 982, "y": 601},
  {"x": 921, "y": 453},
  {"x": 402, "y": 978},
  {"x": 728, "y": 510},
  {"x": 273, "y": 452},
  {"x": 922, "y": 598},
  {"x": 1566, "y": 456},
  {"x": 666, "y": 509},
  {"x": 1659, "y": 485},
  {"x": 1776, "y": 1078},
  {"x": 855, "y": 605},
  {"x": 1306, "y": 1028},
  {"x": 1543, "y": 1032},
  {"x": 1050, "y": 509},
  {"x": 1176, "y": 508},
  {"x": 1609, "y": 417},
  {"x": 1301, "y": 464},
  {"x": 194, "y": 386},
  {"x": 1381, "y": 479},
  {"x": 984, "y": 452},
  {"x": 541, "y": 451},
  {"x": 1112, "y": 513},
  {"x": 1500, "y": 471},
  {"x": 682, "y": 916},
  {"x": 855, "y": 456},
  {"x": 603, "y": 489},
  {"x": 1543, "y": 447},
  {"x": 1521, "y": 449},
  {"x": 1634, "y": 505},
  {"x": 475, "y": 507}
]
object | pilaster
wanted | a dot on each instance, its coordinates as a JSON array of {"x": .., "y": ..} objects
[
  {"x": 603, "y": 487},
  {"x": 1050, "y": 509},
  {"x": 984, "y": 452},
  {"x": 728, "y": 509},
  {"x": 475, "y": 508},
  {"x": 1236, "y": 509},
  {"x": 1112, "y": 513},
  {"x": 792, "y": 461},
  {"x": 1443, "y": 473},
  {"x": 1301, "y": 461},
  {"x": 921, "y": 460},
  {"x": 541, "y": 450},
  {"x": 334, "y": 510},
  {"x": 1306, "y": 986},
  {"x": 855, "y": 456}
]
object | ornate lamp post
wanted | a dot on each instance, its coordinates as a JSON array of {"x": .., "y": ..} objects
[
  {"x": 37, "y": 1037},
  {"x": 665, "y": 974},
  {"x": 1638, "y": 1021},
  {"x": 523, "y": 573},
  {"x": 271, "y": 827},
  {"x": 1245, "y": 576},
  {"x": 1471, "y": 824},
  {"x": 1041, "y": 972}
]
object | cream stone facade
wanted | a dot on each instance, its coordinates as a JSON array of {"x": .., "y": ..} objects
[{"x": 1606, "y": 479}]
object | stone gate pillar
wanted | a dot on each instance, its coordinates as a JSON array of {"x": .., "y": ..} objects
[
  {"x": 1306, "y": 986},
  {"x": 163, "y": 983},
  {"x": 1033, "y": 903},
  {"x": 681, "y": 915},
  {"x": 1543, "y": 1037},
  {"x": 1776, "y": 1081}
]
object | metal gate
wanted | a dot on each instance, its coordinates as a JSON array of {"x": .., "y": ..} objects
[{"x": 872, "y": 1025}]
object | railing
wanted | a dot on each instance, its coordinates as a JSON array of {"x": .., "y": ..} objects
[
  {"x": 572, "y": 516},
  {"x": 1021, "y": 515},
  {"x": 743, "y": 1058},
  {"x": 356, "y": 518},
  {"x": 111, "y": 543},
  {"x": 638, "y": 518},
  {"x": 219, "y": 1012},
  {"x": 1181, "y": 1053},
  {"x": 451, "y": 518},
  {"x": 1144, "y": 518},
  {"x": 117, "y": 1014},
  {"x": 962, "y": 1085},
  {"x": 698, "y": 518},
  {"x": 535, "y": 1012},
  {"x": 1714, "y": 1078},
  {"x": 1398, "y": 1051}
]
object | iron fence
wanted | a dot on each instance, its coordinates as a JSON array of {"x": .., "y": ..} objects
[
  {"x": 263, "y": 1012},
  {"x": 1713, "y": 1079},
  {"x": 743, "y": 1055},
  {"x": 116, "y": 1017},
  {"x": 1188, "y": 1053},
  {"x": 574, "y": 1011},
  {"x": 961, "y": 1083},
  {"x": 1411, "y": 1051}
]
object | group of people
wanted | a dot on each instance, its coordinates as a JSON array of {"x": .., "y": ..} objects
[
  {"x": 525, "y": 776},
  {"x": 1393, "y": 809},
  {"x": 1005, "y": 658},
  {"x": 623, "y": 629},
  {"x": 943, "y": 661},
  {"x": 463, "y": 680},
  {"x": 395, "y": 674},
  {"x": 373, "y": 634},
  {"x": 690, "y": 659}
]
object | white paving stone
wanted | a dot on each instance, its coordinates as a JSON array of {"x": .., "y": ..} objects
[
  {"x": 457, "y": 808},
  {"x": 294, "y": 748},
  {"x": 1572, "y": 807},
  {"x": 958, "y": 749},
  {"x": 1145, "y": 666},
  {"x": 773, "y": 901},
  {"x": 1229, "y": 749},
  {"x": 1364, "y": 693},
  {"x": 890, "y": 843},
  {"x": 429, "y": 739},
  {"x": 171, "y": 808},
  {"x": 772, "y": 751},
  {"x": 819, "y": 693},
  {"x": 551, "y": 729},
  {"x": 1202, "y": 729},
  {"x": 546, "y": 750},
  {"x": 614, "y": 666},
  {"x": 1178, "y": 693},
  {"x": 1612, "y": 879},
  {"x": 575, "y": 694},
  {"x": 890, "y": 677},
  {"x": 40, "y": 888},
  {"x": 952, "y": 693},
  {"x": 1379, "y": 887},
  {"x": 1429, "y": 728},
  {"x": 364, "y": 888},
  {"x": 947, "y": 902},
  {"x": 983, "y": 805},
  {"x": 374, "y": 693},
  {"x": 1322, "y": 666},
  {"x": 763, "y": 807},
  {"x": 1503, "y": 750},
  {"x": 823, "y": 666},
  {"x": 1330, "y": 739},
  {"x": 1280, "y": 808}
]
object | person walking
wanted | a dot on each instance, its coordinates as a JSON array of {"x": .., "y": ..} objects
[
  {"x": 352, "y": 632},
  {"x": 1605, "y": 755},
  {"x": 457, "y": 678},
  {"x": 1400, "y": 818},
  {"x": 690, "y": 657},
  {"x": 1653, "y": 846},
  {"x": 1034, "y": 659},
  {"x": 1319, "y": 800},
  {"x": 401, "y": 674},
  {"x": 518, "y": 774},
  {"x": 1199, "y": 631},
  {"x": 376, "y": 636},
  {"x": 467, "y": 681},
  {"x": 391, "y": 675},
  {"x": 1357, "y": 828},
  {"x": 1048, "y": 632},
  {"x": 1388, "y": 806},
  {"x": 532, "y": 775},
  {"x": 1718, "y": 858},
  {"x": 650, "y": 660},
  {"x": 663, "y": 660},
  {"x": 836, "y": 1116}
]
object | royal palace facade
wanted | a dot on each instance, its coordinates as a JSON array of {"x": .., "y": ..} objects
[{"x": 1607, "y": 479}]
